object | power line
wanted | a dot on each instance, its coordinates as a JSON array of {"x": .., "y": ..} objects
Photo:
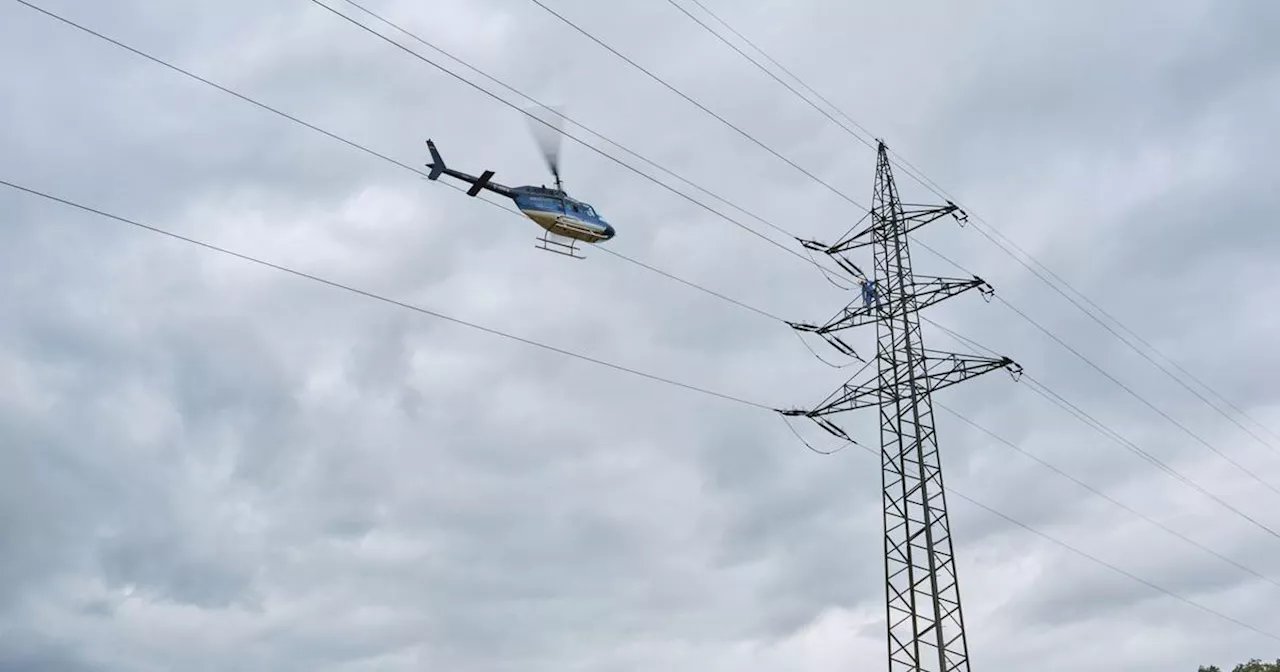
[
  {"x": 580, "y": 141},
  {"x": 932, "y": 186},
  {"x": 363, "y": 148},
  {"x": 586, "y": 358},
  {"x": 1099, "y": 493},
  {"x": 599, "y": 362},
  {"x": 780, "y": 67},
  {"x": 649, "y": 267},
  {"x": 919, "y": 176},
  {"x": 560, "y": 351},
  {"x": 765, "y": 70},
  {"x": 396, "y": 163},
  {"x": 215, "y": 85},
  {"x": 1107, "y": 375},
  {"x": 929, "y": 184},
  {"x": 1115, "y": 380},
  {"x": 1144, "y": 355},
  {"x": 1142, "y": 399},
  {"x": 700, "y": 106},
  {"x": 700, "y": 288},
  {"x": 1099, "y": 369},
  {"x": 1099, "y": 561},
  {"x": 384, "y": 299},
  {"x": 1111, "y": 434},
  {"x": 1102, "y": 428},
  {"x": 417, "y": 38},
  {"x": 175, "y": 68}
]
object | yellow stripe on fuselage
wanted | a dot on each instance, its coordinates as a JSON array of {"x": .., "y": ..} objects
[{"x": 552, "y": 221}]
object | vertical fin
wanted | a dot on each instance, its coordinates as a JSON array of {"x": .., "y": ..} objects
[{"x": 437, "y": 163}]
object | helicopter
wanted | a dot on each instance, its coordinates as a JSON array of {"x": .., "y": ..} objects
[{"x": 552, "y": 209}]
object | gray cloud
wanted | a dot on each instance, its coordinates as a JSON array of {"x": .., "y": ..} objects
[{"x": 209, "y": 465}]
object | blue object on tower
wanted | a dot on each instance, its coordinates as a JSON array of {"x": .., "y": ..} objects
[{"x": 869, "y": 293}]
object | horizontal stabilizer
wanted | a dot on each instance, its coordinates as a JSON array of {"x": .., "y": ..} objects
[{"x": 480, "y": 183}]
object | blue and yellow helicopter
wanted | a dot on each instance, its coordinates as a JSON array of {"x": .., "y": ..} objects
[{"x": 552, "y": 209}]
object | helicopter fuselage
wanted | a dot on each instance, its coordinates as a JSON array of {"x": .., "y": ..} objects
[{"x": 556, "y": 212}]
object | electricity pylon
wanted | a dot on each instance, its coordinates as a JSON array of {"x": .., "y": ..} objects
[{"x": 924, "y": 619}]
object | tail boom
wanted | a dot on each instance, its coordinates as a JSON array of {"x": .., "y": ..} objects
[{"x": 477, "y": 183}]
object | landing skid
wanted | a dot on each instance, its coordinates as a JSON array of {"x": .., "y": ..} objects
[{"x": 568, "y": 249}]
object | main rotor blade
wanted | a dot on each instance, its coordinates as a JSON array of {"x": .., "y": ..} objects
[{"x": 547, "y": 135}]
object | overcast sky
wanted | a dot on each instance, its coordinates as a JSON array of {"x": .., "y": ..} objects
[{"x": 210, "y": 465}]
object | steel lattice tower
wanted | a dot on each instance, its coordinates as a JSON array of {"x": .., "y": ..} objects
[{"x": 924, "y": 618}]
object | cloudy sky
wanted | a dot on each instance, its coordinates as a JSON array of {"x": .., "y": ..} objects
[{"x": 211, "y": 465}]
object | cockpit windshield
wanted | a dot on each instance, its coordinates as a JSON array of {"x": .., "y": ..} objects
[{"x": 578, "y": 207}]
